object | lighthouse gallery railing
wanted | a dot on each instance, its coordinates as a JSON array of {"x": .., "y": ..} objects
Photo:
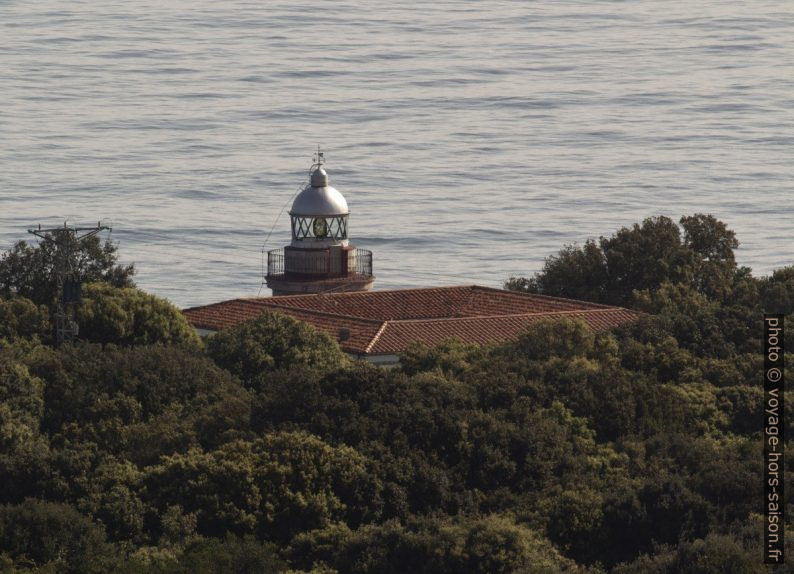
[{"x": 316, "y": 266}]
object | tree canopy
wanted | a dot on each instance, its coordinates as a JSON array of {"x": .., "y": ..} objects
[
  {"x": 28, "y": 269},
  {"x": 271, "y": 342},
  {"x": 638, "y": 258},
  {"x": 21, "y": 319},
  {"x": 129, "y": 316},
  {"x": 268, "y": 450}
]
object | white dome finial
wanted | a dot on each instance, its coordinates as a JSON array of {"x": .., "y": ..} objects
[{"x": 318, "y": 199}]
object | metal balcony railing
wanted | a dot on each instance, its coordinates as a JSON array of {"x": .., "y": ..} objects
[
  {"x": 315, "y": 264},
  {"x": 275, "y": 262},
  {"x": 364, "y": 262}
]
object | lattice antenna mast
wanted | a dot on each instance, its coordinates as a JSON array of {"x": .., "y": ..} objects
[{"x": 65, "y": 240}]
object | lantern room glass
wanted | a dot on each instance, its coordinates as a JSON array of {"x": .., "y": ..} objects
[{"x": 306, "y": 228}]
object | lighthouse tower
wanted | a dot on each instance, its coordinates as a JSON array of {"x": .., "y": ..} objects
[{"x": 320, "y": 258}]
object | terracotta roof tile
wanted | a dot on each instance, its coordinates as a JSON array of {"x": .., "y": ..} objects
[
  {"x": 385, "y": 322},
  {"x": 225, "y": 314},
  {"x": 354, "y": 334},
  {"x": 485, "y": 301},
  {"x": 397, "y": 335},
  {"x": 426, "y": 303}
]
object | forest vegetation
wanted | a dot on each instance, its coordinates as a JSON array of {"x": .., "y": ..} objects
[{"x": 143, "y": 449}]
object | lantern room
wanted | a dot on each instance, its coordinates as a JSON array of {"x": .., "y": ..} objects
[{"x": 319, "y": 213}]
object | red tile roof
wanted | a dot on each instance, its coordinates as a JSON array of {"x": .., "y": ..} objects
[
  {"x": 397, "y": 335},
  {"x": 386, "y": 322}
]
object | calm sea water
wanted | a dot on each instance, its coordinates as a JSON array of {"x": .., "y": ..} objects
[{"x": 471, "y": 139}]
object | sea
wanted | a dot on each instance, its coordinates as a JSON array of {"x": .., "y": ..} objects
[{"x": 471, "y": 139}]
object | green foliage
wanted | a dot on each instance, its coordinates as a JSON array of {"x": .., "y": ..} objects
[
  {"x": 239, "y": 555},
  {"x": 275, "y": 486},
  {"x": 21, "y": 319},
  {"x": 451, "y": 357},
  {"x": 713, "y": 555},
  {"x": 129, "y": 316},
  {"x": 575, "y": 272},
  {"x": 628, "y": 451},
  {"x": 29, "y": 270},
  {"x": 23, "y": 449},
  {"x": 563, "y": 338},
  {"x": 642, "y": 257},
  {"x": 714, "y": 263},
  {"x": 369, "y": 408},
  {"x": 112, "y": 496},
  {"x": 690, "y": 317},
  {"x": 575, "y": 523},
  {"x": 211, "y": 556},
  {"x": 271, "y": 342},
  {"x": 140, "y": 401},
  {"x": 777, "y": 291},
  {"x": 20, "y": 392},
  {"x": 51, "y": 535},
  {"x": 491, "y": 544}
]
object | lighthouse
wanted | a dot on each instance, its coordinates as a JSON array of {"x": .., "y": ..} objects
[{"x": 320, "y": 257}]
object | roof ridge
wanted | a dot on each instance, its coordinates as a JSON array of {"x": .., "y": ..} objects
[
  {"x": 470, "y": 287},
  {"x": 205, "y": 306},
  {"x": 511, "y": 315},
  {"x": 325, "y": 313},
  {"x": 235, "y": 300},
  {"x": 542, "y": 296},
  {"x": 374, "y": 340},
  {"x": 374, "y": 291}
]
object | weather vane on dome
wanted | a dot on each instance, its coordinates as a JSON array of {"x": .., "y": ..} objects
[{"x": 319, "y": 157}]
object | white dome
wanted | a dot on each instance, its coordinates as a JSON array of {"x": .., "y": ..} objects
[{"x": 319, "y": 200}]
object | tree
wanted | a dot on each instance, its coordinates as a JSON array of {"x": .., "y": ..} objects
[
  {"x": 641, "y": 257},
  {"x": 141, "y": 401},
  {"x": 53, "y": 535},
  {"x": 275, "y": 486},
  {"x": 21, "y": 394},
  {"x": 271, "y": 342},
  {"x": 129, "y": 316},
  {"x": 713, "y": 555},
  {"x": 113, "y": 497},
  {"x": 777, "y": 291},
  {"x": 23, "y": 450},
  {"x": 578, "y": 272},
  {"x": 555, "y": 337},
  {"x": 215, "y": 556},
  {"x": 451, "y": 357},
  {"x": 689, "y": 316},
  {"x": 645, "y": 256},
  {"x": 713, "y": 243},
  {"x": 491, "y": 544},
  {"x": 20, "y": 318},
  {"x": 308, "y": 484},
  {"x": 575, "y": 523},
  {"x": 29, "y": 270}
]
